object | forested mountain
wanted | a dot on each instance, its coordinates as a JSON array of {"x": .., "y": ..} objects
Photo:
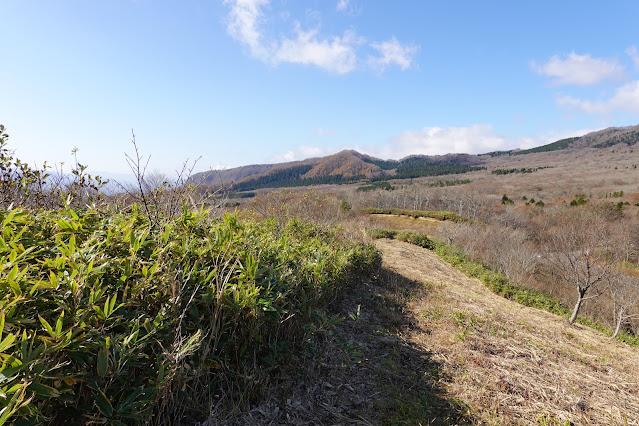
[{"x": 351, "y": 166}]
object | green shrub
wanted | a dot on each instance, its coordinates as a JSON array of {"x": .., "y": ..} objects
[
  {"x": 417, "y": 239},
  {"x": 580, "y": 200},
  {"x": 106, "y": 319},
  {"x": 378, "y": 233}
]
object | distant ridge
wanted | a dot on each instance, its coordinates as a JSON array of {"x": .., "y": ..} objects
[
  {"x": 609, "y": 137},
  {"x": 344, "y": 167},
  {"x": 351, "y": 166}
]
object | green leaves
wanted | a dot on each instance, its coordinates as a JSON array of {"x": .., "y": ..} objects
[
  {"x": 103, "y": 361},
  {"x": 101, "y": 314},
  {"x": 109, "y": 307},
  {"x": 103, "y": 404}
]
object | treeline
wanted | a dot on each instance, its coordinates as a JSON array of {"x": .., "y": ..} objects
[
  {"x": 628, "y": 138},
  {"x": 441, "y": 183},
  {"x": 376, "y": 185},
  {"x": 418, "y": 167},
  {"x": 521, "y": 170},
  {"x": 555, "y": 146},
  {"x": 291, "y": 177}
]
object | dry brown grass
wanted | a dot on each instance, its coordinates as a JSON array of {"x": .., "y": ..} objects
[
  {"x": 512, "y": 364},
  {"x": 404, "y": 223}
]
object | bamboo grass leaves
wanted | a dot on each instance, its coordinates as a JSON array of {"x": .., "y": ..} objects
[{"x": 105, "y": 318}]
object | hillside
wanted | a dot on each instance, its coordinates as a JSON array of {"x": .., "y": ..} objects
[
  {"x": 349, "y": 165},
  {"x": 425, "y": 344},
  {"x": 344, "y": 167},
  {"x": 609, "y": 137},
  {"x": 221, "y": 177}
]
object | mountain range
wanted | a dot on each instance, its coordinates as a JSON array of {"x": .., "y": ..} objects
[{"x": 349, "y": 165}]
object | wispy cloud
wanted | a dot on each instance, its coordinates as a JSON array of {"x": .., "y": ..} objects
[
  {"x": 321, "y": 132},
  {"x": 392, "y": 52},
  {"x": 342, "y": 5},
  {"x": 582, "y": 70},
  {"x": 302, "y": 153},
  {"x": 634, "y": 55},
  {"x": 339, "y": 54},
  {"x": 336, "y": 54},
  {"x": 625, "y": 98},
  {"x": 243, "y": 24}
]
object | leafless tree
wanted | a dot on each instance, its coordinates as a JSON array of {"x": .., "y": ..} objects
[
  {"x": 627, "y": 231},
  {"x": 452, "y": 231},
  {"x": 159, "y": 196},
  {"x": 579, "y": 247},
  {"x": 625, "y": 298},
  {"x": 513, "y": 254}
]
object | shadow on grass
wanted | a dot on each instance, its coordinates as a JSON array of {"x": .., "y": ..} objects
[
  {"x": 403, "y": 379},
  {"x": 359, "y": 367}
]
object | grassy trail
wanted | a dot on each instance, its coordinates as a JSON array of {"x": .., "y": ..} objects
[
  {"x": 509, "y": 363},
  {"x": 425, "y": 344}
]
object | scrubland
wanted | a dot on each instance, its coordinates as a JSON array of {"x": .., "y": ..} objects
[{"x": 492, "y": 299}]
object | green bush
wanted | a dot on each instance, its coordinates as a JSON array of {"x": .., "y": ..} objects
[
  {"x": 378, "y": 233},
  {"x": 106, "y": 319},
  {"x": 416, "y": 238}
]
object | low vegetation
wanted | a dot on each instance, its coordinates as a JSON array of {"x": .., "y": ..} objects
[
  {"x": 385, "y": 185},
  {"x": 440, "y": 215},
  {"x": 125, "y": 310},
  {"x": 520, "y": 170},
  {"x": 106, "y": 319},
  {"x": 442, "y": 183},
  {"x": 495, "y": 281}
]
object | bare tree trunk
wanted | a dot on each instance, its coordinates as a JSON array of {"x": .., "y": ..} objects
[
  {"x": 575, "y": 311},
  {"x": 618, "y": 327}
]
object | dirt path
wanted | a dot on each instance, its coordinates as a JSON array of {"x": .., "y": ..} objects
[{"x": 424, "y": 344}]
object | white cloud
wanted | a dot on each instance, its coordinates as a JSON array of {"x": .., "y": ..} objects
[
  {"x": 625, "y": 98},
  {"x": 475, "y": 139},
  {"x": 336, "y": 54},
  {"x": 393, "y": 52},
  {"x": 243, "y": 25},
  {"x": 333, "y": 53},
  {"x": 580, "y": 70},
  {"x": 634, "y": 55},
  {"x": 302, "y": 153},
  {"x": 342, "y": 5}
]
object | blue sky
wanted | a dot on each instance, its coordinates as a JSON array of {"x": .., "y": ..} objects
[{"x": 238, "y": 82}]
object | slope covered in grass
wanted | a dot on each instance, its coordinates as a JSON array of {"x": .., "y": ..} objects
[{"x": 511, "y": 364}]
